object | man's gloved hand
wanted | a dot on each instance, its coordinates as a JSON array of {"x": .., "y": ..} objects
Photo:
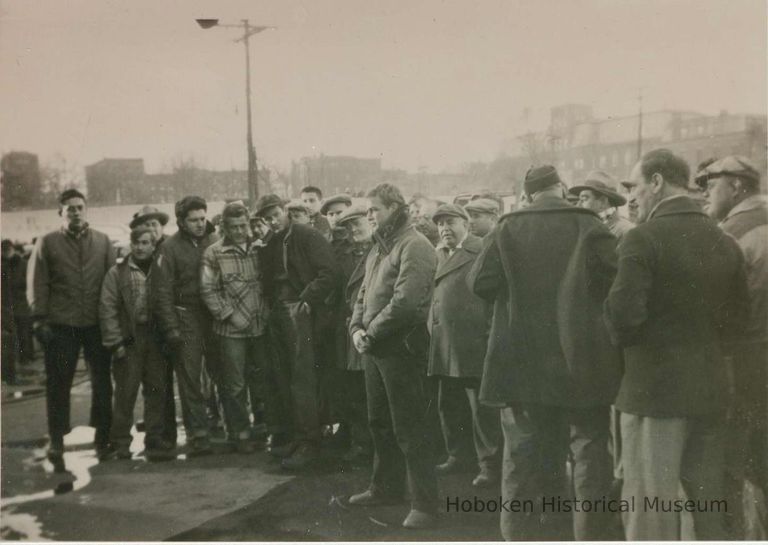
[{"x": 43, "y": 333}]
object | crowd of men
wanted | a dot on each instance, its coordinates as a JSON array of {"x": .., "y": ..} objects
[{"x": 558, "y": 335}]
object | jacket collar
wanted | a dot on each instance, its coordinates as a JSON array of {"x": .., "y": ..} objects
[
  {"x": 750, "y": 203},
  {"x": 386, "y": 234},
  {"x": 676, "y": 204},
  {"x": 548, "y": 205},
  {"x": 76, "y": 235},
  {"x": 470, "y": 248}
]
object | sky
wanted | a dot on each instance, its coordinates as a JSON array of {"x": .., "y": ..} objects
[{"x": 419, "y": 83}]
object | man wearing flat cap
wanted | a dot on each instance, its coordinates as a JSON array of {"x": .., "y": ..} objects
[
  {"x": 299, "y": 275},
  {"x": 550, "y": 363},
  {"x": 732, "y": 188},
  {"x": 350, "y": 389},
  {"x": 597, "y": 193},
  {"x": 151, "y": 217},
  {"x": 483, "y": 215},
  {"x": 183, "y": 318},
  {"x": 459, "y": 322}
]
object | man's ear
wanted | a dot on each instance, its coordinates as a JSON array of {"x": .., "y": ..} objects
[{"x": 657, "y": 182}]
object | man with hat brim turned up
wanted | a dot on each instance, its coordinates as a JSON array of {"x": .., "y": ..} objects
[
  {"x": 483, "y": 216},
  {"x": 597, "y": 193},
  {"x": 679, "y": 296},
  {"x": 299, "y": 276},
  {"x": 151, "y": 217},
  {"x": 351, "y": 387},
  {"x": 732, "y": 188},
  {"x": 389, "y": 328},
  {"x": 458, "y": 322},
  {"x": 183, "y": 318},
  {"x": 550, "y": 363}
]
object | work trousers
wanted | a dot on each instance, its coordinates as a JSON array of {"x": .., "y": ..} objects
[
  {"x": 25, "y": 346},
  {"x": 8, "y": 355},
  {"x": 293, "y": 374},
  {"x": 536, "y": 443},
  {"x": 457, "y": 401},
  {"x": 239, "y": 358},
  {"x": 398, "y": 416},
  {"x": 661, "y": 454},
  {"x": 747, "y": 444},
  {"x": 61, "y": 354},
  {"x": 145, "y": 367},
  {"x": 191, "y": 375}
]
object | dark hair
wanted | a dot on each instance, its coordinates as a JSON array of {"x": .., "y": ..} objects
[
  {"x": 70, "y": 194},
  {"x": 140, "y": 230},
  {"x": 662, "y": 161},
  {"x": 189, "y": 204},
  {"x": 312, "y": 189},
  {"x": 234, "y": 210},
  {"x": 6, "y": 243},
  {"x": 388, "y": 194}
]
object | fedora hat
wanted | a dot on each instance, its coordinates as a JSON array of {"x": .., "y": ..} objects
[
  {"x": 602, "y": 183},
  {"x": 148, "y": 213}
]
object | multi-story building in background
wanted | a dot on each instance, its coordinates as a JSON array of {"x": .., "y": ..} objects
[
  {"x": 336, "y": 174},
  {"x": 21, "y": 181},
  {"x": 116, "y": 181}
]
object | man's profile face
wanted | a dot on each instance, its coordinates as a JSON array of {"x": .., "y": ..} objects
[
  {"x": 377, "y": 212},
  {"x": 144, "y": 247},
  {"x": 452, "y": 230},
  {"x": 194, "y": 223},
  {"x": 74, "y": 211},
  {"x": 156, "y": 226},
  {"x": 299, "y": 216},
  {"x": 276, "y": 218},
  {"x": 721, "y": 195},
  {"x": 237, "y": 229},
  {"x": 334, "y": 211},
  {"x": 592, "y": 200},
  {"x": 644, "y": 194},
  {"x": 312, "y": 201},
  {"x": 360, "y": 229},
  {"x": 481, "y": 223}
]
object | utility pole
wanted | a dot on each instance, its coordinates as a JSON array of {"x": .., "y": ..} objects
[{"x": 640, "y": 124}]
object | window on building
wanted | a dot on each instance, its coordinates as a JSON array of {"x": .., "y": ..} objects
[
  {"x": 579, "y": 163},
  {"x": 603, "y": 161}
]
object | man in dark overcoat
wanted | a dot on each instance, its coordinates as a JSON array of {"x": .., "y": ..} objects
[
  {"x": 550, "y": 363},
  {"x": 459, "y": 321},
  {"x": 679, "y": 293}
]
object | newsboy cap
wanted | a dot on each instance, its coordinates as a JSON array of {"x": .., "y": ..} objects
[
  {"x": 268, "y": 201},
  {"x": 603, "y": 183},
  {"x": 732, "y": 165},
  {"x": 343, "y": 198},
  {"x": 539, "y": 178},
  {"x": 485, "y": 206},
  {"x": 296, "y": 204},
  {"x": 190, "y": 202},
  {"x": 444, "y": 210},
  {"x": 352, "y": 213},
  {"x": 148, "y": 213}
]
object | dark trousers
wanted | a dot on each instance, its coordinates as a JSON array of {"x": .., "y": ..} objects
[
  {"x": 471, "y": 431},
  {"x": 397, "y": 416},
  {"x": 25, "y": 346},
  {"x": 536, "y": 443},
  {"x": 8, "y": 355},
  {"x": 61, "y": 355},
  {"x": 191, "y": 377},
  {"x": 145, "y": 367},
  {"x": 294, "y": 373},
  {"x": 351, "y": 408},
  {"x": 239, "y": 357}
]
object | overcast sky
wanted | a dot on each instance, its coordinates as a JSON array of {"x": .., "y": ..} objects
[{"x": 416, "y": 82}]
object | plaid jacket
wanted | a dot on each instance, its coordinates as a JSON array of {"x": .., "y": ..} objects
[{"x": 231, "y": 287}]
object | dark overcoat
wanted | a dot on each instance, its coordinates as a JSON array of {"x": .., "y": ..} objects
[
  {"x": 548, "y": 269},
  {"x": 458, "y": 319},
  {"x": 679, "y": 293},
  {"x": 354, "y": 360}
]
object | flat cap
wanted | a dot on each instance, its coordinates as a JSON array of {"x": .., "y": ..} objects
[
  {"x": 268, "y": 201},
  {"x": 539, "y": 178},
  {"x": 341, "y": 198},
  {"x": 485, "y": 206},
  {"x": 352, "y": 213},
  {"x": 148, "y": 213},
  {"x": 603, "y": 183},
  {"x": 296, "y": 204},
  {"x": 732, "y": 165},
  {"x": 449, "y": 210}
]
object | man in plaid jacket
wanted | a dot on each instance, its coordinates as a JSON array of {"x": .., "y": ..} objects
[{"x": 230, "y": 285}]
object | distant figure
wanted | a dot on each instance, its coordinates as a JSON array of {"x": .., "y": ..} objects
[
  {"x": 312, "y": 197},
  {"x": 597, "y": 193},
  {"x": 66, "y": 272},
  {"x": 298, "y": 212},
  {"x": 15, "y": 271},
  {"x": 8, "y": 348},
  {"x": 420, "y": 209}
]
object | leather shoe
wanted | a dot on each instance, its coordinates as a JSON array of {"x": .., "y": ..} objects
[
  {"x": 302, "y": 457},
  {"x": 451, "y": 465},
  {"x": 417, "y": 520},
  {"x": 284, "y": 450},
  {"x": 368, "y": 498},
  {"x": 160, "y": 455},
  {"x": 486, "y": 477},
  {"x": 200, "y": 446}
]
